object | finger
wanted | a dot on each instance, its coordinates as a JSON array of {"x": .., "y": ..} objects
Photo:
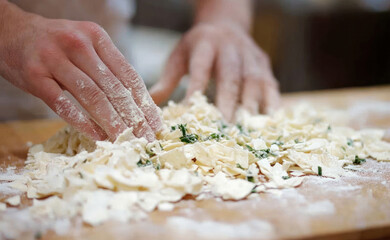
[
  {"x": 91, "y": 98},
  {"x": 123, "y": 71},
  {"x": 176, "y": 67},
  {"x": 126, "y": 111},
  {"x": 201, "y": 64},
  {"x": 228, "y": 70},
  {"x": 272, "y": 98},
  {"x": 252, "y": 86},
  {"x": 53, "y": 96},
  {"x": 270, "y": 89}
]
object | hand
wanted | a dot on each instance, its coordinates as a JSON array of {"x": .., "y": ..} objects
[
  {"x": 243, "y": 72},
  {"x": 45, "y": 57}
]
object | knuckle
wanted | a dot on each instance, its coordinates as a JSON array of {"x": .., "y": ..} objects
[
  {"x": 128, "y": 70},
  {"x": 208, "y": 29},
  {"x": 93, "y": 28},
  {"x": 73, "y": 41},
  {"x": 34, "y": 70},
  {"x": 48, "y": 54},
  {"x": 252, "y": 77},
  {"x": 94, "y": 97},
  {"x": 117, "y": 88}
]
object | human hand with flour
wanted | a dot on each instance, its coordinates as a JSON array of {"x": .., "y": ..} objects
[
  {"x": 219, "y": 45},
  {"x": 46, "y": 57}
]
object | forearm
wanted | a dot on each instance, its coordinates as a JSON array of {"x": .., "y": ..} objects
[{"x": 224, "y": 11}]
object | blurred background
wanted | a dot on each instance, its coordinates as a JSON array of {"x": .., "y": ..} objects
[{"x": 313, "y": 44}]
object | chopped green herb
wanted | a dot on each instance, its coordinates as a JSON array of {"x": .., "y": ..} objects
[
  {"x": 216, "y": 136},
  {"x": 190, "y": 138},
  {"x": 253, "y": 189},
  {"x": 296, "y": 140},
  {"x": 183, "y": 129},
  {"x": 349, "y": 142},
  {"x": 150, "y": 152},
  {"x": 161, "y": 146},
  {"x": 260, "y": 153},
  {"x": 250, "y": 148},
  {"x": 250, "y": 179},
  {"x": 271, "y": 153},
  {"x": 285, "y": 177},
  {"x": 329, "y": 128},
  {"x": 319, "y": 171},
  {"x": 239, "y": 166},
  {"x": 187, "y": 138},
  {"x": 279, "y": 143},
  {"x": 240, "y": 128},
  {"x": 342, "y": 147},
  {"x": 222, "y": 126},
  {"x": 358, "y": 160},
  {"x": 141, "y": 164},
  {"x": 158, "y": 166},
  {"x": 173, "y": 128}
]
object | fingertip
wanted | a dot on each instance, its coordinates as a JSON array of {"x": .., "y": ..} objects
[
  {"x": 96, "y": 133},
  {"x": 227, "y": 111},
  {"x": 252, "y": 106},
  {"x": 272, "y": 101},
  {"x": 158, "y": 93},
  {"x": 150, "y": 137}
]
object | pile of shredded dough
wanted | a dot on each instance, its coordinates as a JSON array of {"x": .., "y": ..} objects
[{"x": 197, "y": 154}]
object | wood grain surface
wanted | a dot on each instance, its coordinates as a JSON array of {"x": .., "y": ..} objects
[{"x": 353, "y": 207}]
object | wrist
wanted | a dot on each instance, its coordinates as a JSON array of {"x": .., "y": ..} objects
[
  {"x": 223, "y": 23},
  {"x": 224, "y": 13}
]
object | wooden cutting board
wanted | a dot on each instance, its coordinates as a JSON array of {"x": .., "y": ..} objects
[{"x": 352, "y": 207}]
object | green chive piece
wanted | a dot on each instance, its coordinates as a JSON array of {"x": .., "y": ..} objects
[
  {"x": 250, "y": 179},
  {"x": 358, "y": 160},
  {"x": 239, "y": 166}
]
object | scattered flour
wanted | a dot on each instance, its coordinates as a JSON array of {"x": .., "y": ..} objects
[
  {"x": 213, "y": 229},
  {"x": 320, "y": 208}
]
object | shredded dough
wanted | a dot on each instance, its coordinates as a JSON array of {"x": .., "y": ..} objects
[{"x": 70, "y": 175}]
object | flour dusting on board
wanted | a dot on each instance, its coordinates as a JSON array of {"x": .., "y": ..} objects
[
  {"x": 213, "y": 229},
  {"x": 197, "y": 154}
]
